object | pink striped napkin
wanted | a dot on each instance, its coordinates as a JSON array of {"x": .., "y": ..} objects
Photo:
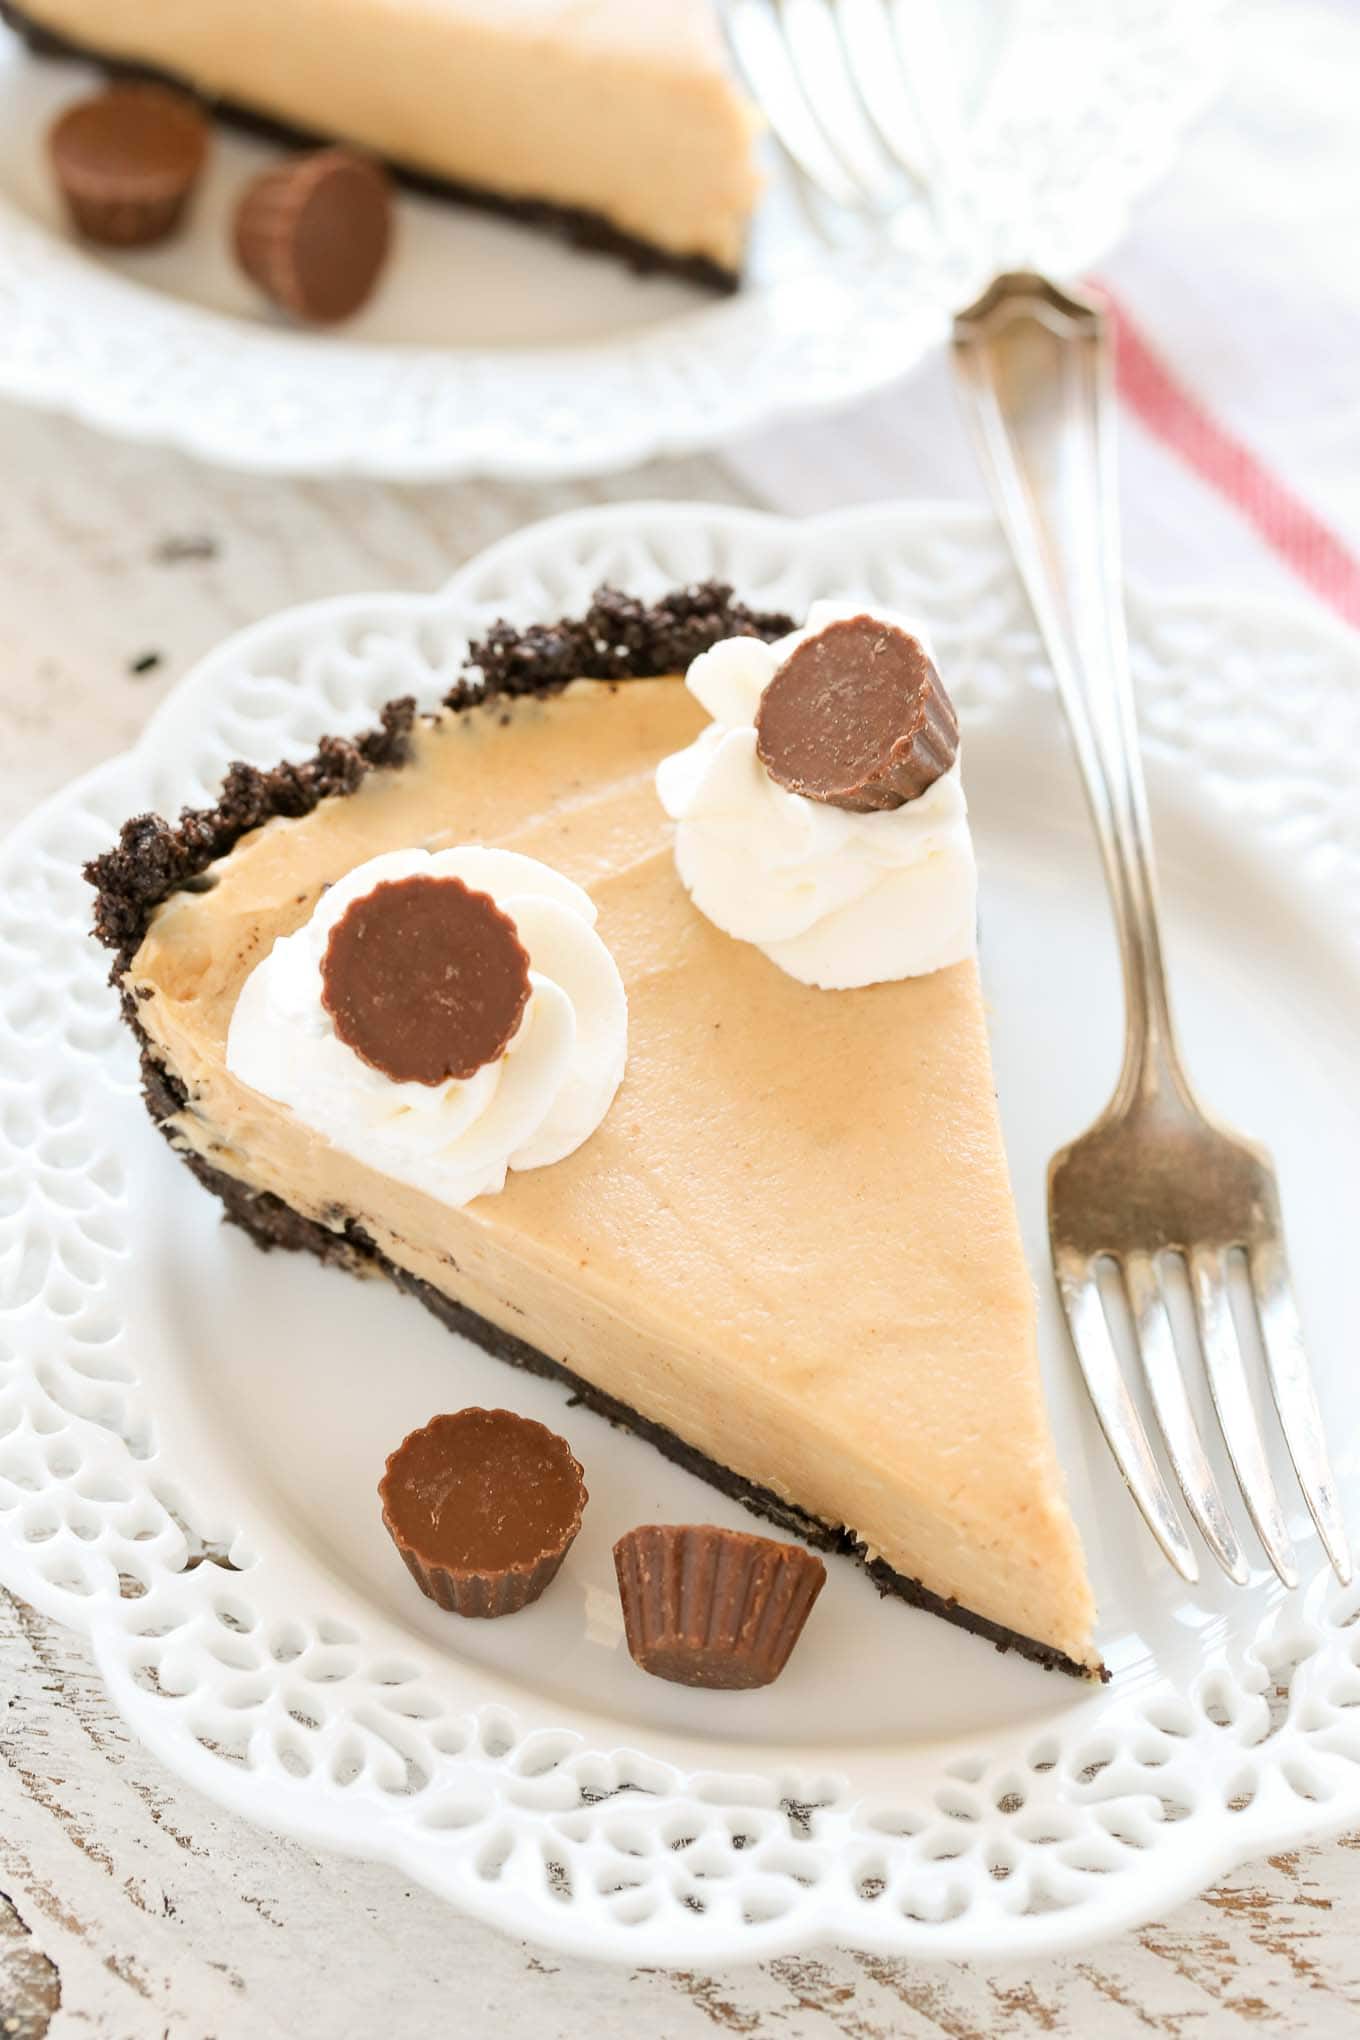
[{"x": 1236, "y": 300}]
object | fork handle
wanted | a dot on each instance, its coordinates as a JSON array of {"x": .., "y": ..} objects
[{"x": 1033, "y": 368}]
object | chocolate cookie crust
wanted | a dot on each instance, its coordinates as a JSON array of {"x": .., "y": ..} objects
[
  {"x": 583, "y": 229},
  {"x": 618, "y": 638},
  {"x": 154, "y": 858}
]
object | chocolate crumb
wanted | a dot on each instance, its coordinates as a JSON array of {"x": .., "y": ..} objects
[
  {"x": 145, "y": 662},
  {"x": 171, "y": 552}
]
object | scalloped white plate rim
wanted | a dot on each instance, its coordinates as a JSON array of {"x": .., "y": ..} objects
[
  {"x": 83, "y": 338},
  {"x": 1159, "y": 1877}
]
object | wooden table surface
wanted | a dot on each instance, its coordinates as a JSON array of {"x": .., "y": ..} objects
[{"x": 129, "y": 1905}]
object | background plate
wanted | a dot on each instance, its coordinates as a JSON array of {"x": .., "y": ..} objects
[
  {"x": 491, "y": 351},
  {"x": 174, "y": 1405}
]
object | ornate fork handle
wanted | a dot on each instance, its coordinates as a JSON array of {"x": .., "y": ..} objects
[
  {"x": 1034, "y": 365},
  {"x": 1155, "y": 1192}
]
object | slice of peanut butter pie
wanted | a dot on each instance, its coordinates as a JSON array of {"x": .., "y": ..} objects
[{"x": 626, "y": 1012}]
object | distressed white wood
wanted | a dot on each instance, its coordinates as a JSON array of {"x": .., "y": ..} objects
[{"x": 130, "y": 1906}]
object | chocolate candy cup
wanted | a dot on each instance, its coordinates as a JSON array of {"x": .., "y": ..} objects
[
  {"x": 710, "y": 1607},
  {"x": 127, "y": 160},
  {"x": 483, "y": 1506},
  {"x": 425, "y": 979},
  {"x": 857, "y": 718},
  {"x": 314, "y": 233}
]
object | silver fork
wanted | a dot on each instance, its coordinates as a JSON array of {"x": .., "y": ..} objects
[
  {"x": 1155, "y": 1185},
  {"x": 1155, "y": 1180}
]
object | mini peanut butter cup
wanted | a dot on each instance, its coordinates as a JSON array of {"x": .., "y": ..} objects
[
  {"x": 127, "y": 160},
  {"x": 857, "y": 717},
  {"x": 425, "y": 979},
  {"x": 314, "y": 233},
  {"x": 483, "y": 1506},
  {"x": 709, "y": 1607}
]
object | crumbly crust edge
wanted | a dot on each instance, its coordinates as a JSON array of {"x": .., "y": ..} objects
[{"x": 619, "y": 638}]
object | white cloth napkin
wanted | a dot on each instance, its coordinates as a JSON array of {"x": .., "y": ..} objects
[{"x": 1239, "y": 290}]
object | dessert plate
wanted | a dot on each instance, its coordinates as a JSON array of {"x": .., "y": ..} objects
[
  {"x": 191, "y": 1433},
  {"x": 492, "y": 351}
]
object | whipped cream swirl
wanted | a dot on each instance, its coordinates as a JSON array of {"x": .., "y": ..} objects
[
  {"x": 836, "y": 899},
  {"x": 534, "y": 1105}
]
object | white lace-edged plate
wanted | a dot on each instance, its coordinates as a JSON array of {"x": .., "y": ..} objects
[{"x": 191, "y": 1433}]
